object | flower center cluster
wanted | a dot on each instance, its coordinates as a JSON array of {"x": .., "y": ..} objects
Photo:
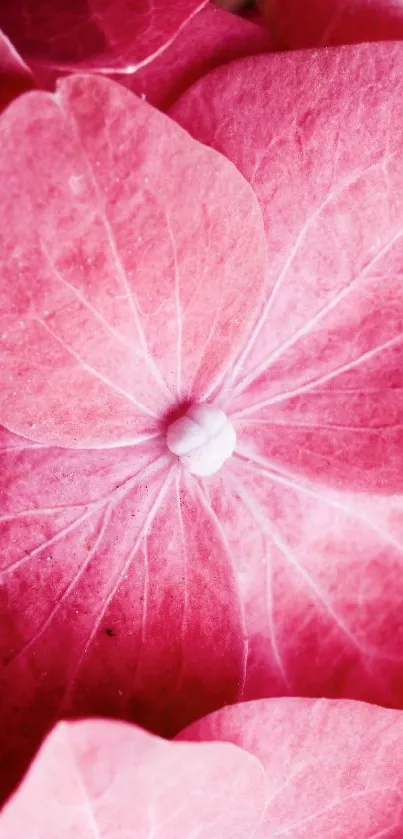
[{"x": 203, "y": 439}]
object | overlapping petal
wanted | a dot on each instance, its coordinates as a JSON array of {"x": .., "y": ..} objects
[
  {"x": 319, "y": 385},
  {"x": 99, "y": 35},
  {"x": 118, "y": 307},
  {"x": 318, "y": 24},
  {"x": 332, "y": 768},
  {"x": 110, "y": 779},
  {"x": 125, "y": 290}
]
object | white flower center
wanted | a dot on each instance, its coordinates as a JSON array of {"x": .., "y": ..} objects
[{"x": 203, "y": 439}]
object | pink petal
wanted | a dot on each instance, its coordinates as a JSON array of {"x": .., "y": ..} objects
[
  {"x": 317, "y": 23},
  {"x": 333, "y": 769},
  {"x": 117, "y": 598},
  {"x": 124, "y": 289},
  {"x": 319, "y": 386},
  {"x": 15, "y": 76},
  {"x": 320, "y": 580},
  {"x": 93, "y": 779},
  {"x": 96, "y": 34}
]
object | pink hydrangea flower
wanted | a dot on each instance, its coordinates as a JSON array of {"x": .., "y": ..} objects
[{"x": 201, "y": 384}]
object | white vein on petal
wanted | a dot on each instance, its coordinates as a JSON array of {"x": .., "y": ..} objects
[
  {"x": 47, "y": 543},
  {"x": 69, "y": 588},
  {"x": 269, "y": 601},
  {"x": 131, "y": 68},
  {"x": 90, "y": 308},
  {"x": 89, "y": 509},
  {"x": 307, "y": 327},
  {"x": 112, "y": 386},
  {"x": 332, "y": 195},
  {"x": 336, "y": 802},
  {"x": 218, "y": 526},
  {"x": 257, "y": 465},
  {"x": 86, "y": 799},
  {"x": 285, "y": 423},
  {"x": 143, "y": 535},
  {"x": 327, "y": 377},
  {"x": 184, "y": 622},
  {"x": 120, "y": 270},
  {"x": 178, "y": 307},
  {"x": 268, "y": 527}
]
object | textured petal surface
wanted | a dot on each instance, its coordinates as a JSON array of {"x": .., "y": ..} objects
[
  {"x": 116, "y": 581},
  {"x": 319, "y": 575},
  {"x": 108, "y": 317},
  {"x": 332, "y": 768},
  {"x": 319, "y": 385},
  {"x": 93, "y": 779},
  {"x": 318, "y": 23},
  {"x": 212, "y": 37},
  {"x": 95, "y": 34},
  {"x": 15, "y": 76}
]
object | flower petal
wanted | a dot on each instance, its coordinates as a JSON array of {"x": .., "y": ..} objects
[
  {"x": 212, "y": 37},
  {"x": 320, "y": 578},
  {"x": 316, "y": 23},
  {"x": 318, "y": 136},
  {"x": 15, "y": 76},
  {"x": 118, "y": 596},
  {"x": 123, "y": 286},
  {"x": 332, "y": 768},
  {"x": 97, "y": 778},
  {"x": 96, "y": 34}
]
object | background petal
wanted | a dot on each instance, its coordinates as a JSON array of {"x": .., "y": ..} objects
[
  {"x": 210, "y": 38},
  {"x": 332, "y": 768},
  {"x": 318, "y": 23},
  {"x": 109, "y": 779},
  {"x": 15, "y": 76},
  {"x": 95, "y": 34},
  {"x": 318, "y": 136},
  {"x": 123, "y": 290}
]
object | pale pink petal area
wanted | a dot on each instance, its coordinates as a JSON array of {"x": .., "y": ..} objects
[
  {"x": 95, "y": 779},
  {"x": 99, "y": 35},
  {"x": 125, "y": 290},
  {"x": 118, "y": 596},
  {"x": 319, "y": 384},
  {"x": 15, "y": 75},
  {"x": 333, "y": 769},
  {"x": 320, "y": 579},
  {"x": 318, "y": 23}
]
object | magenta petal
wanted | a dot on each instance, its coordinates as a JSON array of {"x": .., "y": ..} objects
[
  {"x": 108, "y": 779},
  {"x": 124, "y": 289},
  {"x": 97, "y": 35},
  {"x": 318, "y": 23},
  {"x": 332, "y": 768},
  {"x": 15, "y": 76},
  {"x": 118, "y": 596},
  {"x": 211, "y": 38},
  {"x": 319, "y": 386}
]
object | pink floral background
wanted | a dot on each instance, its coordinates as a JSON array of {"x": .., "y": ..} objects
[{"x": 202, "y": 216}]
